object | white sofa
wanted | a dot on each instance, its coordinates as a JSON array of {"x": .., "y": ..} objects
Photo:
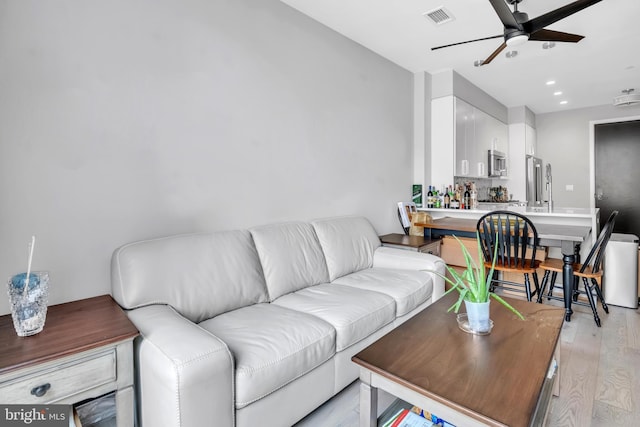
[{"x": 258, "y": 327}]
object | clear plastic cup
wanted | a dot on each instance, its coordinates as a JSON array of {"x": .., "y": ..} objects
[{"x": 29, "y": 307}]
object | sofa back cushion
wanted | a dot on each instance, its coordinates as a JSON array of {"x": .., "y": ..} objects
[
  {"x": 291, "y": 257},
  {"x": 348, "y": 244},
  {"x": 199, "y": 275}
]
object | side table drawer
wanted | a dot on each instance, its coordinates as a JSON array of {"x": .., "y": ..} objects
[
  {"x": 59, "y": 382},
  {"x": 432, "y": 248}
]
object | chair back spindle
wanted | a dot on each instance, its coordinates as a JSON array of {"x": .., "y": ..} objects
[{"x": 596, "y": 254}]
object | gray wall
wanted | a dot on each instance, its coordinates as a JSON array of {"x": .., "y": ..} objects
[
  {"x": 563, "y": 141},
  {"x": 127, "y": 120}
]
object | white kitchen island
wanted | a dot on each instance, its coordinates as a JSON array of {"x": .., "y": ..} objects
[{"x": 538, "y": 215}]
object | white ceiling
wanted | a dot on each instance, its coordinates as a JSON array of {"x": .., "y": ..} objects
[{"x": 591, "y": 72}]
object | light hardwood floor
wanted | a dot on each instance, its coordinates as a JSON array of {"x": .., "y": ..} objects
[{"x": 599, "y": 380}]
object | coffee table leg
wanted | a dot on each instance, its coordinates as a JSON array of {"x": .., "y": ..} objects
[
  {"x": 556, "y": 385},
  {"x": 368, "y": 402}
]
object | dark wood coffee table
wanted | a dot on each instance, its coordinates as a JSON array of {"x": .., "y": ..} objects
[{"x": 502, "y": 379}]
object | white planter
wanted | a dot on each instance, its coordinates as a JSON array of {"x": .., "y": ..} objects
[{"x": 478, "y": 316}]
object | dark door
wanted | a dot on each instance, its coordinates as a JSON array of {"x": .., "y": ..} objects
[{"x": 617, "y": 164}]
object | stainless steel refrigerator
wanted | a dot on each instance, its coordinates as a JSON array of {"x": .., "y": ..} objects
[{"x": 535, "y": 181}]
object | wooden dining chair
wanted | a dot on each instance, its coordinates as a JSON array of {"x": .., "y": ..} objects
[
  {"x": 590, "y": 272},
  {"x": 516, "y": 239}
]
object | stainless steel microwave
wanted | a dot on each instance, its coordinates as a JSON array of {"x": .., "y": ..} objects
[{"x": 497, "y": 163}]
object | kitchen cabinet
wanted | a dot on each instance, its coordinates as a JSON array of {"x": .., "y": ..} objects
[
  {"x": 476, "y": 132},
  {"x": 442, "y": 159},
  {"x": 522, "y": 142},
  {"x": 465, "y": 147},
  {"x": 530, "y": 146}
]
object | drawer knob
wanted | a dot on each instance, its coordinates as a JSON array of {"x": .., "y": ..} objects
[{"x": 41, "y": 390}]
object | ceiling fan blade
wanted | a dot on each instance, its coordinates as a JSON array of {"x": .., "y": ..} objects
[
  {"x": 495, "y": 53},
  {"x": 468, "y": 41},
  {"x": 505, "y": 14},
  {"x": 555, "y": 36},
  {"x": 536, "y": 24}
]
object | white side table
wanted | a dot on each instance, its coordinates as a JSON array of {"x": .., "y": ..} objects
[{"x": 85, "y": 351}]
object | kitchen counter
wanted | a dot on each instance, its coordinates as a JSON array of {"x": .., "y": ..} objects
[
  {"x": 525, "y": 210},
  {"x": 560, "y": 216}
]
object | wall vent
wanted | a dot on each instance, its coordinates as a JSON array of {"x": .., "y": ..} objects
[{"x": 439, "y": 16}]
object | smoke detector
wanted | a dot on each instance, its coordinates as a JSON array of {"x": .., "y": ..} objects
[{"x": 629, "y": 98}]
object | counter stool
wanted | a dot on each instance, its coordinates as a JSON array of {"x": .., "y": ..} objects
[
  {"x": 590, "y": 272},
  {"x": 516, "y": 240}
]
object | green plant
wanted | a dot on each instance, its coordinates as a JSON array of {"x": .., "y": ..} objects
[{"x": 472, "y": 283}]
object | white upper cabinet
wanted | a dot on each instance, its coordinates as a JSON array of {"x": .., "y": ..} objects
[
  {"x": 522, "y": 143},
  {"x": 466, "y": 151},
  {"x": 443, "y": 130},
  {"x": 530, "y": 141},
  {"x": 476, "y": 132}
]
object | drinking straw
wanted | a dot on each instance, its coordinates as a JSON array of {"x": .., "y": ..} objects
[{"x": 31, "y": 245}]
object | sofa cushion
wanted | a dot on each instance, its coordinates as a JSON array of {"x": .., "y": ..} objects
[
  {"x": 271, "y": 346},
  {"x": 354, "y": 313},
  {"x": 199, "y": 275},
  {"x": 291, "y": 257},
  {"x": 408, "y": 288},
  {"x": 348, "y": 244}
]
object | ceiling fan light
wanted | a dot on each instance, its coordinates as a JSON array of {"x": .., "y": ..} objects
[{"x": 517, "y": 40}]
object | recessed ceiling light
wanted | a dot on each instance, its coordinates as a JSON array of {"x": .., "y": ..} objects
[
  {"x": 511, "y": 54},
  {"x": 548, "y": 45},
  {"x": 557, "y": 93},
  {"x": 564, "y": 102},
  {"x": 551, "y": 82}
]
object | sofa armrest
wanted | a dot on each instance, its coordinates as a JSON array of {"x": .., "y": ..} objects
[
  {"x": 185, "y": 374},
  {"x": 385, "y": 257}
]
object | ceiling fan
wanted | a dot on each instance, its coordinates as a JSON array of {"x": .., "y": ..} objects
[{"x": 518, "y": 28}]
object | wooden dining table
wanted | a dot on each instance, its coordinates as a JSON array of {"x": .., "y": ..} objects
[{"x": 568, "y": 238}]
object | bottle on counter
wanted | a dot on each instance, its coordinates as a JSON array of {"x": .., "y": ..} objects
[
  {"x": 455, "y": 199},
  {"x": 447, "y": 200},
  {"x": 430, "y": 198},
  {"x": 436, "y": 198},
  {"x": 474, "y": 196},
  {"x": 467, "y": 198}
]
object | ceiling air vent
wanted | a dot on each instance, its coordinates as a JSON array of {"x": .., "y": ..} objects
[{"x": 439, "y": 16}]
